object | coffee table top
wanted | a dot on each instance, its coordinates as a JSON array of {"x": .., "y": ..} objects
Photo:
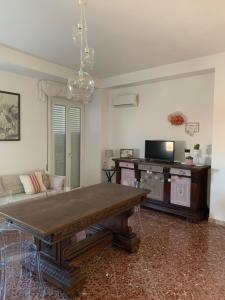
[{"x": 77, "y": 209}]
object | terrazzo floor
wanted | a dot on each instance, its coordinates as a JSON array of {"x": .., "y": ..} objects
[{"x": 176, "y": 260}]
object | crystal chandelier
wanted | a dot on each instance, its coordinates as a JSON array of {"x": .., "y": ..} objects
[{"x": 81, "y": 86}]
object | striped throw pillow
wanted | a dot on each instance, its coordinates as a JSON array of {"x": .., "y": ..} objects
[
  {"x": 39, "y": 177},
  {"x": 30, "y": 184}
]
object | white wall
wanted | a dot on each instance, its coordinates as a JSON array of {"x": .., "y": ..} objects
[
  {"x": 96, "y": 136},
  {"x": 200, "y": 65},
  {"x": 217, "y": 202},
  {"x": 191, "y": 95},
  {"x": 30, "y": 152}
]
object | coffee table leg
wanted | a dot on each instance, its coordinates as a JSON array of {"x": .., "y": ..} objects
[
  {"x": 129, "y": 241},
  {"x": 57, "y": 270},
  {"x": 123, "y": 236}
]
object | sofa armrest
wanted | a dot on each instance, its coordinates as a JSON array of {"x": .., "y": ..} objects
[{"x": 57, "y": 182}]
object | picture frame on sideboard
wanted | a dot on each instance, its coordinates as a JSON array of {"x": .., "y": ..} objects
[{"x": 127, "y": 153}]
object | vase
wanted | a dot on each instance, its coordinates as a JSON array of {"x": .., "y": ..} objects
[
  {"x": 189, "y": 162},
  {"x": 196, "y": 156}
]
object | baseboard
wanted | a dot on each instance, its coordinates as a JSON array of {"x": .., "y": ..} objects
[{"x": 218, "y": 222}]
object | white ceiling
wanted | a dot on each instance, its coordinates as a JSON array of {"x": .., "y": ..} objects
[{"x": 128, "y": 35}]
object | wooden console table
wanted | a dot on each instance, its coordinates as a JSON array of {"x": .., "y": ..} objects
[
  {"x": 55, "y": 220},
  {"x": 175, "y": 188}
]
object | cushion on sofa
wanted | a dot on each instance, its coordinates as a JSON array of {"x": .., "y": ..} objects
[
  {"x": 30, "y": 184},
  {"x": 46, "y": 180},
  {"x": 39, "y": 176},
  {"x": 12, "y": 183},
  {"x": 57, "y": 182}
]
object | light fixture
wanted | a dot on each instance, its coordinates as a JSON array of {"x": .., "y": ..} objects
[{"x": 81, "y": 86}]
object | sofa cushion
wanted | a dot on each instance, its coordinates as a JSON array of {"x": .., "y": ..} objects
[
  {"x": 46, "y": 180},
  {"x": 30, "y": 184},
  {"x": 57, "y": 182},
  {"x": 12, "y": 183},
  {"x": 39, "y": 177}
]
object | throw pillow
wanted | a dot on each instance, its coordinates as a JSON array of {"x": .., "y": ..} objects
[
  {"x": 30, "y": 184},
  {"x": 46, "y": 180},
  {"x": 38, "y": 175},
  {"x": 12, "y": 183},
  {"x": 57, "y": 182}
]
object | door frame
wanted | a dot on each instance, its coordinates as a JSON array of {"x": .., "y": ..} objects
[{"x": 51, "y": 167}]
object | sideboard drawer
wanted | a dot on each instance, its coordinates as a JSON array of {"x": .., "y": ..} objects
[
  {"x": 150, "y": 168},
  {"x": 124, "y": 164},
  {"x": 180, "y": 172}
]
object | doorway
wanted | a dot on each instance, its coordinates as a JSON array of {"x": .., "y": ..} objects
[{"x": 67, "y": 141}]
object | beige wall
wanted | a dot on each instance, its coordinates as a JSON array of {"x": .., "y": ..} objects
[
  {"x": 96, "y": 136},
  {"x": 30, "y": 152},
  {"x": 217, "y": 203}
]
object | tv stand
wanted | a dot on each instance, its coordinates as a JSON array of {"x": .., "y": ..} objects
[{"x": 173, "y": 187}]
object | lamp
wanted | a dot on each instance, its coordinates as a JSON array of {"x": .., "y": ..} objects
[
  {"x": 81, "y": 86},
  {"x": 108, "y": 163}
]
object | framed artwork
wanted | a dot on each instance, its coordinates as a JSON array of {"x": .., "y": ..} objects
[
  {"x": 192, "y": 127},
  {"x": 126, "y": 153},
  {"x": 9, "y": 116}
]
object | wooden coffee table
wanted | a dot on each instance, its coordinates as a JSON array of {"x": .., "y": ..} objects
[{"x": 102, "y": 209}]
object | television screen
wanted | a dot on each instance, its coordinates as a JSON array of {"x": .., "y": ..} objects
[{"x": 160, "y": 150}]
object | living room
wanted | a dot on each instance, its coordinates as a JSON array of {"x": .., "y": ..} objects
[{"x": 150, "y": 67}]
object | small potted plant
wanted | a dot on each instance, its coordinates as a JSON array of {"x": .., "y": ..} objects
[
  {"x": 197, "y": 147},
  {"x": 189, "y": 160}
]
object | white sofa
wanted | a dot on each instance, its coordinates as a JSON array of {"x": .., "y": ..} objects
[{"x": 11, "y": 188}]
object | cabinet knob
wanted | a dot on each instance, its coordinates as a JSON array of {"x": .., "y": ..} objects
[{"x": 169, "y": 180}]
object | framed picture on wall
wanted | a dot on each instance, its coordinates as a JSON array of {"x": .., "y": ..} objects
[
  {"x": 126, "y": 153},
  {"x": 9, "y": 116}
]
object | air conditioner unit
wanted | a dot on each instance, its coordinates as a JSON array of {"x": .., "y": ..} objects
[{"x": 128, "y": 100}]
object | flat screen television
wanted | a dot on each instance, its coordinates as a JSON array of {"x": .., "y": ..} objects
[{"x": 160, "y": 150}]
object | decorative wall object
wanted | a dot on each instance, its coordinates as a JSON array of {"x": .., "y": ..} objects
[
  {"x": 9, "y": 116},
  {"x": 192, "y": 127},
  {"x": 177, "y": 118},
  {"x": 126, "y": 153}
]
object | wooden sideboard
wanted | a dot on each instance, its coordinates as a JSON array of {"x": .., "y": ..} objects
[{"x": 173, "y": 187}]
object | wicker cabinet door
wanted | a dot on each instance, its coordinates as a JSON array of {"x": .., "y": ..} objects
[
  {"x": 153, "y": 182},
  {"x": 180, "y": 191},
  {"x": 127, "y": 177}
]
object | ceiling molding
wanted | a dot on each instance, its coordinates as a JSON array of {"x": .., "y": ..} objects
[
  {"x": 15, "y": 61},
  {"x": 181, "y": 69}
]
